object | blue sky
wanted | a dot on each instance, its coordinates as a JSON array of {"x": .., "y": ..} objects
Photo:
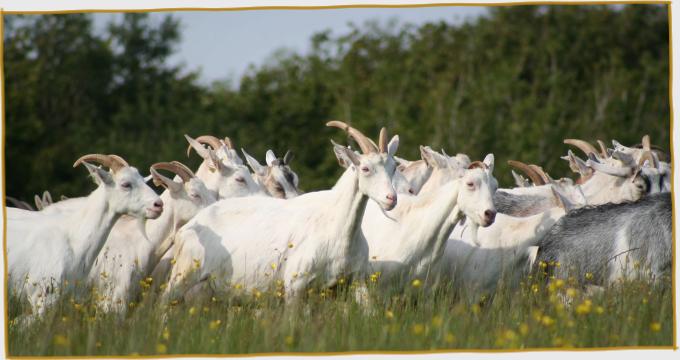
[{"x": 223, "y": 44}]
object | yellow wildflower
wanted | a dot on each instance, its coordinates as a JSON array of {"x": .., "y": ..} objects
[
  {"x": 166, "y": 334},
  {"x": 589, "y": 276},
  {"x": 584, "y": 308},
  {"x": 509, "y": 335},
  {"x": 416, "y": 283},
  {"x": 571, "y": 292},
  {"x": 192, "y": 310},
  {"x": 523, "y": 329},
  {"x": 437, "y": 321},
  {"x": 389, "y": 314},
  {"x": 61, "y": 340},
  {"x": 161, "y": 348},
  {"x": 289, "y": 340},
  {"x": 547, "y": 320},
  {"x": 273, "y": 266},
  {"x": 599, "y": 310},
  {"x": 449, "y": 338},
  {"x": 214, "y": 324},
  {"x": 418, "y": 329},
  {"x": 655, "y": 326}
]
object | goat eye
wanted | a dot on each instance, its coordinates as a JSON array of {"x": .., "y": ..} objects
[
  {"x": 471, "y": 185},
  {"x": 364, "y": 169},
  {"x": 126, "y": 185},
  {"x": 240, "y": 179}
]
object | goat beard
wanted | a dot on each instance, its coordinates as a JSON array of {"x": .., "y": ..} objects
[{"x": 141, "y": 224}]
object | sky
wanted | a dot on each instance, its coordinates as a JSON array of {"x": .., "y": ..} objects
[{"x": 223, "y": 44}]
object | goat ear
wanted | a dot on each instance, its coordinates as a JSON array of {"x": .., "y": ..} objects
[
  {"x": 200, "y": 149},
  {"x": 160, "y": 180},
  {"x": 393, "y": 145},
  {"x": 99, "y": 176},
  {"x": 270, "y": 158},
  {"x": 562, "y": 200},
  {"x": 576, "y": 164},
  {"x": 432, "y": 158},
  {"x": 345, "y": 155},
  {"x": 38, "y": 202},
  {"x": 214, "y": 162},
  {"x": 519, "y": 179},
  {"x": 489, "y": 161},
  {"x": 254, "y": 164}
]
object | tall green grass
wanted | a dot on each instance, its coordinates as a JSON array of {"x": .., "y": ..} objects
[{"x": 555, "y": 313}]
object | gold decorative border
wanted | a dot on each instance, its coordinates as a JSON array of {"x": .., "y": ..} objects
[{"x": 331, "y": 7}]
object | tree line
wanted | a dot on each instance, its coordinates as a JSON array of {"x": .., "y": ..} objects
[{"x": 514, "y": 82}]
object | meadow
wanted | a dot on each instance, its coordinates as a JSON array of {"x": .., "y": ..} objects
[{"x": 558, "y": 313}]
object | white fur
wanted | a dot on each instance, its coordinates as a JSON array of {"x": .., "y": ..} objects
[
  {"x": 313, "y": 238},
  {"x": 63, "y": 247}
]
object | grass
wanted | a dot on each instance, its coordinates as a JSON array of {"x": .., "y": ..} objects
[{"x": 538, "y": 314}]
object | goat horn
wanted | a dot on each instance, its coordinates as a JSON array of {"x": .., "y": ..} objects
[
  {"x": 646, "y": 143},
  {"x": 603, "y": 149},
  {"x": 177, "y": 167},
  {"x": 540, "y": 172},
  {"x": 288, "y": 157},
  {"x": 364, "y": 143},
  {"x": 229, "y": 143},
  {"x": 584, "y": 146},
  {"x": 647, "y": 155},
  {"x": 210, "y": 140},
  {"x": 113, "y": 162},
  {"x": 477, "y": 165},
  {"x": 533, "y": 176},
  {"x": 382, "y": 140}
]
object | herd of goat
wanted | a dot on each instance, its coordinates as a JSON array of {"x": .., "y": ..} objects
[{"x": 440, "y": 220}]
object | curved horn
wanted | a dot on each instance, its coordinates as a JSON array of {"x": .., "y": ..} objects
[
  {"x": 646, "y": 143},
  {"x": 176, "y": 167},
  {"x": 229, "y": 143},
  {"x": 363, "y": 142},
  {"x": 603, "y": 149},
  {"x": 540, "y": 172},
  {"x": 113, "y": 162},
  {"x": 382, "y": 141},
  {"x": 647, "y": 156},
  {"x": 535, "y": 178},
  {"x": 585, "y": 146},
  {"x": 210, "y": 140},
  {"x": 288, "y": 157}
]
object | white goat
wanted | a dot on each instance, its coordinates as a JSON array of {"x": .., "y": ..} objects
[
  {"x": 404, "y": 243},
  {"x": 222, "y": 170},
  {"x": 130, "y": 253},
  {"x": 476, "y": 262},
  {"x": 277, "y": 178},
  {"x": 311, "y": 239},
  {"x": 61, "y": 248}
]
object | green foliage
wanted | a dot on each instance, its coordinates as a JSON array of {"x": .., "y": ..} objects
[
  {"x": 515, "y": 83},
  {"x": 539, "y": 314}
]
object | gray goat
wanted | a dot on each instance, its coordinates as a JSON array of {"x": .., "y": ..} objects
[{"x": 605, "y": 243}]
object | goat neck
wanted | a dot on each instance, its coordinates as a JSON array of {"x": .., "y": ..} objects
[{"x": 95, "y": 221}]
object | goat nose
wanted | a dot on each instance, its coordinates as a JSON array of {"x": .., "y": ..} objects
[
  {"x": 158, "y": 203},
  {"x": 391, "y": 197},
  {"x": 490, "y": 215}
]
